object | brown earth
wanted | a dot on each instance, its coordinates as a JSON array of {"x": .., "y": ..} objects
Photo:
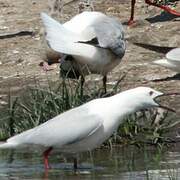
[{"x": 20, "y": 56}]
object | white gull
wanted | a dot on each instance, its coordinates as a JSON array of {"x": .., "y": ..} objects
[
  {"x": 171, "y": 61},
  {"x": 91, "y": 43},
  {"x": 87, "y": 126}
]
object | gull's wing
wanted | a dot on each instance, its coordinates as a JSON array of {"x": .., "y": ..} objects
[
  {"x": 64, "y": 40},
  {"x": 53, "y": 28},
  {"x": 174, "y": 55},
  {"x": 71, "y": 126},
  {"x": 75, "y": 37},
  {"x": 107, "y": 33}
]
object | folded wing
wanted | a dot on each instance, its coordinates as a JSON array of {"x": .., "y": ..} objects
[{"x": 69, "y": 127}]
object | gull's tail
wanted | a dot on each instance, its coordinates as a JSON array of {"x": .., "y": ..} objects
[
  {"x": 166, "y": 63},
  {"x": 7, "y": 145},
  {"x": 162, "y": 62},
  {"x": 63, "y": 40}
]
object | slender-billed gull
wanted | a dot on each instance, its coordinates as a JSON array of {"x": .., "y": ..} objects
[
  {"x": 91, "y": 43},
  {"x": 171, "y": 61},
  {"x": 87, "y": 126}
]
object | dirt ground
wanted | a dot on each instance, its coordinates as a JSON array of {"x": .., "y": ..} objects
[{"x": 20, "y": 56}]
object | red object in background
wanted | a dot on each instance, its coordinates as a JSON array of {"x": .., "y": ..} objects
[{"x": 166, "y": 8}]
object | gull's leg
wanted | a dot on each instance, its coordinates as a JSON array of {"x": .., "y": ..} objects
[
  {"x": 45, "y": 155},
  {"x": 131, "y": 20},
  {"x": 104, "y": 83},
  {"x": 75, "y": 164},
  {"x": 81, "y": 85},
  {"x": 166, "y": 8}
]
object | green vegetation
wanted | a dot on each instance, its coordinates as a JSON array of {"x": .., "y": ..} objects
[
  {"x": 39, "y": 104},
  {"x": 146, "y": 127}
]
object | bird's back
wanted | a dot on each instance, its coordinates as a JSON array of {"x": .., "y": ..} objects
[{"x": 84, "y": 20}]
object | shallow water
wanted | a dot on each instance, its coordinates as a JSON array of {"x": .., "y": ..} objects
[{"x": 119, "y": 163}]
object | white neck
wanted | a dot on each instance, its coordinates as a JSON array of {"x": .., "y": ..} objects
[
  {"x": 121, "y": 105},
  {"x": 113, "y": 110}
]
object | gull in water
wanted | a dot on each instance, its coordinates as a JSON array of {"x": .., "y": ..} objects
[
  {"x": 86, "y": 127},
  {"x": 171, "y": 60},
  {"x": 90, "y": 42}
]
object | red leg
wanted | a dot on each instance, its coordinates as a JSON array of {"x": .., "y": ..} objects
[
  {"x": 46, "y": 154},
  {"x": 131, "y": 20},
  {"x": 166, "y": 8}
]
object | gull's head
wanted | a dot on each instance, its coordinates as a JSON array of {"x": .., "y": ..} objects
[{"x": 145, "y": 97}]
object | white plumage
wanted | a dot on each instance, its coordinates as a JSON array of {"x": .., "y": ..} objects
[
  {"x": 95, "y": 41},
  {"x": 171, "y": 61},
  {"x": 87, "y": 126}
]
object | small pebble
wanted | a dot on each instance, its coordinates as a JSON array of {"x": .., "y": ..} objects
[
  {"x": 15, "y": 52},
  {"x": 3, "y": 103},
  {"x": 3, "y": 27}
]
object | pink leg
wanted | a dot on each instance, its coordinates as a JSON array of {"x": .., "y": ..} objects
[
  {"x": 131, "y": 20},
  {"x": 166, "y": 8},
  {"x": 46, "y": 154},
  {"x": 46, "y": 67}
]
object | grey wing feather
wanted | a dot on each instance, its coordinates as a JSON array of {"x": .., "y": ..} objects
[
  {"x": 71, "y": 126},
  {"x": 109, "y": 33}
]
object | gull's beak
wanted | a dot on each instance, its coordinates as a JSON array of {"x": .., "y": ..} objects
[{"x": 166, "y": 107}]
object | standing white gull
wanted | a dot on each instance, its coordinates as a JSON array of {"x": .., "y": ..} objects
[
  {"x": 171, "y": 61},
  {"x": 91, "y": 42},
  {"x": 87, "y": 126}
]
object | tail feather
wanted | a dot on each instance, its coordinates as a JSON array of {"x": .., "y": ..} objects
[
  {"x": 62, "y": 40},
  {"x": 6, "y": 145}
]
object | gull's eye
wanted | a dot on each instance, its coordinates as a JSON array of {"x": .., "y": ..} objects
[{"x": 151, "y": 93}]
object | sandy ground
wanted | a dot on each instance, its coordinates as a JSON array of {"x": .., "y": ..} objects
[{"x": 20, "y": 56}]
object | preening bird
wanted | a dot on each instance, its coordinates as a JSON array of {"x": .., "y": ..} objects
[
  {"x": 171, "y": 60},
  {"x": 86, "y": 127},
  {"x": 90, "y": 42}
]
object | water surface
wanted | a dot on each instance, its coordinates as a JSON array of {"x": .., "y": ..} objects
[{"x": 118, "y": 163}]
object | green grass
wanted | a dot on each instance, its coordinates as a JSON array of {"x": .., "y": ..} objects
[
  {"x": 143, "y": 128},
  {"x": 38, "y": 104}
]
